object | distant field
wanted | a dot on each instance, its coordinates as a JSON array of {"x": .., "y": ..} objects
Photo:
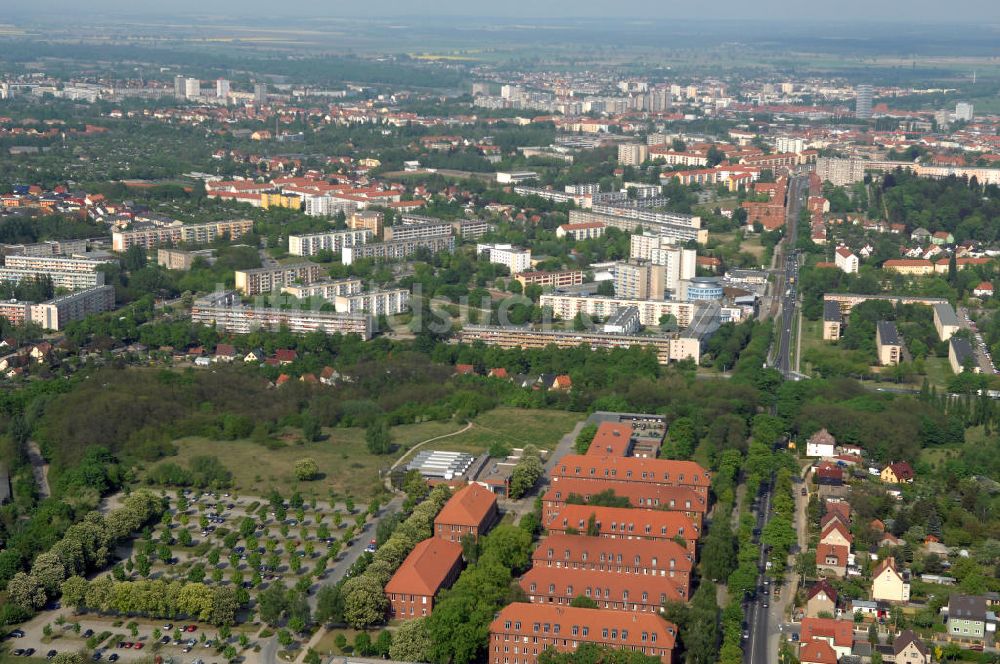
[
  {"x": 753, "y": 246},
  {"x": 346, "y": 464},
  {"x": 938, "y": 371}
]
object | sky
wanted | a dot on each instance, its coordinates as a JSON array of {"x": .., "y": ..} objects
[{"x": 952, "y": 11}]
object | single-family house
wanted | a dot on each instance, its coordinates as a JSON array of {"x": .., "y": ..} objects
[
  {"x": 889, "y": 584},
  {"x": 255, "y": 355},
  {"x": 822, "y": 599},
  {"x": 821, "y": 444},
  {"x": 817, "y": 652},
  {"x": 285, "y": 356},
  {"x": 225, "y": 353},
  {"x": 907, "y": 648},
  {"x": 967, "y": 616},
  {"x": 839, "y": 634},
  {"x": 897, "y": 473}
]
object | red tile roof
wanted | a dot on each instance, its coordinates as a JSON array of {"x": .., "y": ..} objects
[
  {"x": 602, "y": 586},
  {"x": 586, "y": 550},
  {"x": 670, "y": 498},
  {"x": 683, "y": 473},
  {"x": 470, "y": 506},
  {"x": 611, "y": 439},
  {"x": 589, "y": 623},
  {"x": 624, "y": 522},
  {"x": 841, "y": 631},
  {"x": 426, "y": 568},
  {"x": 823, "y": 586},
  {"x": 817, "y": 652}
]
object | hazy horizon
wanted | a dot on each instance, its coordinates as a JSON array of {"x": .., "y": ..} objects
[{"x": 784, "y": 11}]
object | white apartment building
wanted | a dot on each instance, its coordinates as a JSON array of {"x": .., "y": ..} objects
[
  {"x": 678, "y": 263},
  {"x": 57, "y": 312},
  {"x": 845, "y": 260},
  {"x": 515, "y": 258},
  {"x": 68, "y": 280},
  {"x": 377, "y": 303},
  {"x": 176, "y": 232},
  {"x": 416, "y": 227},
  {"x": 222, "y": 88},
  {"x": 582, "y": 231},
  {"x": 226, "y": 312},
  {"x": 336, "y": 241},
  {"x": 784, "y": 144},
  {"x": 268, "y": 279},
  {"x": 632, "y": 154},
  {"x": 638, "y": 279},
  {"x": 47, "y": 264},
  {"x": 326, "y": 289},
  {"x": 328, "y": 206},
  {"x": 567, "y": 307},
  {"x": 397, "y": 249},
  {"x": 192, "y": 88}
]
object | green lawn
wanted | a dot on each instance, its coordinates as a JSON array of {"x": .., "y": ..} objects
[
  {"x": 812, "y": 337},
  {"x": 346, "y": 465},
  {"x": 938, "y": 371}
]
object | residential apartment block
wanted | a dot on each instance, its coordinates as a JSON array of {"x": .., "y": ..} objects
[
  {"x": 471, "y": 511},
  {"x": 641, "y": 558},
  {"x": 177, "y": 233},
  {"x": 667, "y": 348},
  {"x": 367, "y": 220},
  {"x": 560, "y": 279},
  {"x": 179, "y": 259},
  {"x": 566, "y": 307},
  {"x": 632, "y": 154},
  {"x": 397, "y": 249},
  {"x": 57, "y": 312},
  {"x": 668, "y": 472},
  {"x": 673, "y": 225},
  {"x": 377, "y": 302},
  {"x": 521, "y": 632},
  {"x": 515, "y": 258},
  {"x": 415, "y": 227},
  {"x": 432, "y": 565},
  {"x": 617, "y": 592},
  {"x": 335, "y": 242},
  {"x": 833, "y": 321},
  {"x": 47, "y": 264},
  {"x": 639, "y": 494},
  {"x": 678, "y": 263},
  {"x": 270, "y": 279},
  {"x": 325, "y": 289},
  {"x": 845, "y": 260},
  {"x": 583, "y": 231},
  {"x": 67, "y": 280},
  {"x": 945, "y": 320},
  {"x": 887, "y": 343},
  {"x": 226, "y": 311},
  {"x": 637, "y": 279},
  {"x": 625, "y": 523}
]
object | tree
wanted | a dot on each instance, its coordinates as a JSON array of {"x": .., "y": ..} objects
[
  {"x": 311, "y": 429},
  {"x": 26, "y": 592},
  {"x": 329, "y": 605},
  {"x": 363, "y": 644},
  {"x": 526, "y": 473},
  {"x": 719, "y": 553},
  {"x": 682, "y": 438},
  {"x": 378, "y": 438},
  {"x": 74, "y": 589},
  {"x": 306, "y": 469},
  {"x": 272, "y": 602},
  {"x": 411, "y": 642},
  {"x": 583, "y": 602},
  {"x": 364, "y": 601}
]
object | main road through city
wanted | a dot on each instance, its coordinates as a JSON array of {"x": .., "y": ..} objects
[{"x": 788, "y": 280}]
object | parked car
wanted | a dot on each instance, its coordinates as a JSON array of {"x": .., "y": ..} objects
[
  {"x": 16, "y": 634},
  {"x": 50, "y": 654},
  {"x": 17, "y": 652},
  {"x": 113, "y": 657},
  {"x": 96, "y": 656}
]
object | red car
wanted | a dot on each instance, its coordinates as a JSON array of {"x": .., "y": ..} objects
[
  {"x": 190, "y": 628},
  {"x": 138, "y": 645}
]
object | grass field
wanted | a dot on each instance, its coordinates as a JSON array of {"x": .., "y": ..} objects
[
  {"x": 812, "y": 337},
  {"x": 752, "y": 246},
  {"x": 348, "y": 467},
  {"x": 938, "y": 371}
]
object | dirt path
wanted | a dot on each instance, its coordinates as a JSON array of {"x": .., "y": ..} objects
[{"x": 40, "y": 469}]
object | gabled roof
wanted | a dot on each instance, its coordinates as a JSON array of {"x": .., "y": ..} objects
[
  {"x": 606, "y": 586},
  {"x": 633, "y": 469},
  {"x": 841, "y": 631},
  {"x": 837, "y": 525},
  {"x": 426, "y": 568},
  {"x": 967, "y": 607},
  {"x": 589, "y": 621},
  {"x": 902, "y": 470},
  {"x": 468, "y": 507},
  {"x": 570, "y": 549},
  {"x": 225, "y": 350},
  {"x": 823, "y": 437},
  {"x": 888, "y": 564},
  {"x": 823, "y": 586},
  {"x": 838, "y": 551},
  {"x": 656, "y": 496},
  {"x": 905, "y": 638},
  {"x": 817, "y": 652},
  {"x": 285, "y": 355},
  {"x": 625, "y": 522}
]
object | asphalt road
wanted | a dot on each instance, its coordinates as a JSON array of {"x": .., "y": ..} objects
[
  {"x": 757, "y": 610},
  {"x": 788, "y": 280}
]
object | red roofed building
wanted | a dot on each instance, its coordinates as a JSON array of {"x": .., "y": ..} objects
[
  {"x": 817, "y": 652},
  {"x": 432, "y": 565},
  {"x": 612, "y": 439},
  {"x": 472, "y": 510},
  {"x": 837, "y": 633},
  {"x": 618, "y": 556},
  {"x": 464, "y": 370},
  {"x": 822, "y": 598},
  {"x": 618, "y": 592},
  {"x": 984, "y": 289},
  {"x": 625, "y": 523},
  {"x": 285, "y": 355},
  {"x": 829, "y": 473},
  {"x": 521, "y": 632},
  {"x": 652, "y": 496},
  {"x": 633, "y": 469}
]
